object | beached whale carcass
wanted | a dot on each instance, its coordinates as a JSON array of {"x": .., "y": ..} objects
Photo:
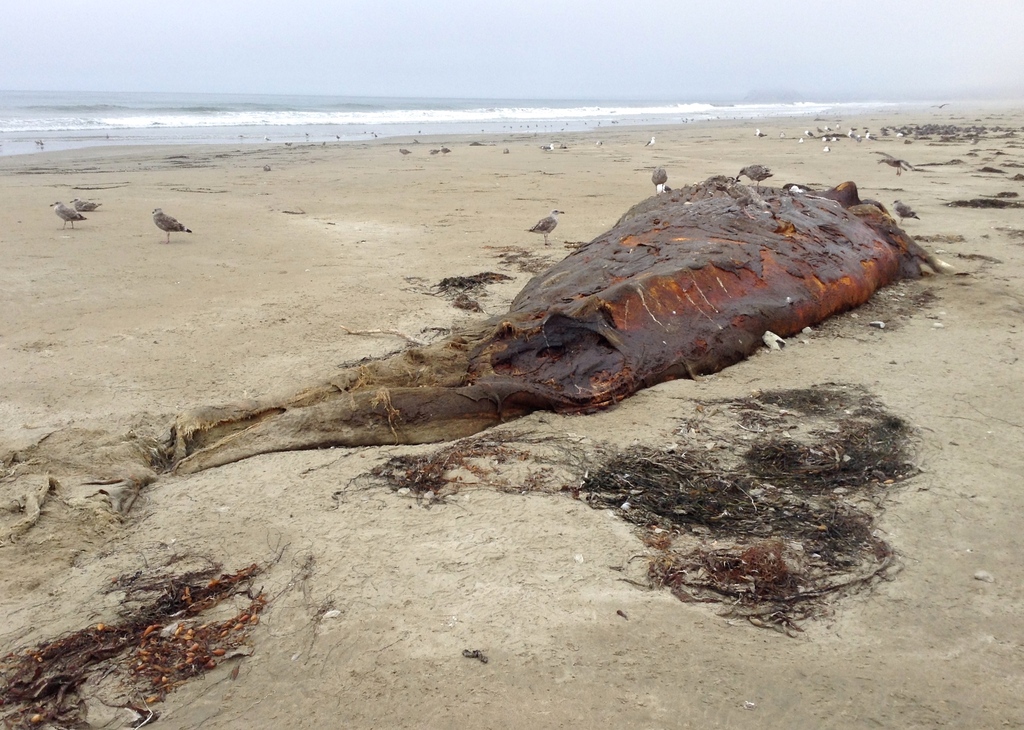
[{"x": 684, "y": 284}]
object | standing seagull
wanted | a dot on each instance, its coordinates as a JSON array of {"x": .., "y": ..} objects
[
  {"x": 659, "y": 178},
  {"x": 757, "y": 173},
  {"x": 651, "y": 143},
  {"x": 166, "y": 223},
  {"x": 891, "y": 161},
  {"x": 67, "y": 213},
  {"x": 85, "y": 206},
  {"x": 903, "y": 210},
  {"x": 546, "y": 225}
]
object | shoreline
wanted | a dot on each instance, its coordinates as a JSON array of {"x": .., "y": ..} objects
[{"x": 25, "y": 142}]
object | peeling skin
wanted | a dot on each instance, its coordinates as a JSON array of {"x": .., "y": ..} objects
[{"x": 615, "y": 316}]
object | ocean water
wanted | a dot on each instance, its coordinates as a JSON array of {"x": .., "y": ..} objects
[{"x": 67, "y": 120}]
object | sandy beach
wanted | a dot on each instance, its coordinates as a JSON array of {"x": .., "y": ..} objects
[{"x": 107, "y": 333}]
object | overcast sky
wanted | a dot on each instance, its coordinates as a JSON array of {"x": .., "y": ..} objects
[{"x": 604, "y": 49}]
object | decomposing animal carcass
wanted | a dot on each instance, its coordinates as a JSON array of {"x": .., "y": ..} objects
[{"x": 686, "y": 283}]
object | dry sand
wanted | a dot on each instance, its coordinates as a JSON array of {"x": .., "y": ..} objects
[{"x": 106, "y": 330}]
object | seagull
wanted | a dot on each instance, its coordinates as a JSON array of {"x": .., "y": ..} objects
[
  {"x": 548, "y": 147},
  {"x": 891, "y": 161},
  {"x": 445, "y": 150},
  {"x": 166, "y": 223},
  {"x": 404, "y": 151},
  {"x": 903, "y": 210},
  {"x": 651, "y": 143},
  {"x": 757, "y": 173},
  {"x": 266, "y": 168},
  {"x": 826, "y": 149},
  {"x": 800, "y": 141},
  {"x": 759, "y": 133},
  {"x": 659, "y": 178},
  {"x": 84, "y": 206},
  {"x": 67, "y": 213},
  {"x": 598, "y": 143},
  {"x": 546, "y": 225}
]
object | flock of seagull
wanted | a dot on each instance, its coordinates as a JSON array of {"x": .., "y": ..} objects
[
  {"x": 756, "y": 173},
  {"x": 830, "y": 135},
  {"x": 545, "y": 226},
  {"x": 73, "y": 212}
]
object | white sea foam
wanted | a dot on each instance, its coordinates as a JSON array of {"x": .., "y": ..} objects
[
  {"x": 146, "y": 120},
  {"x": 77, "y": 119}
]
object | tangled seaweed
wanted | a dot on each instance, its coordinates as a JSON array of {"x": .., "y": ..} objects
[
  {"x": 985, "y": 203},
  {"x": 459, "y": 288},
  {"x": 157, "y": 646},
  {"x": 791, "y": 519},
  {"x": 430, "y": 475},
  {"x": 454, "y": 285}
]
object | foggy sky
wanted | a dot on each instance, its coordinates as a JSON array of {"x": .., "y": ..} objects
[{"x": 636, "y": 49}]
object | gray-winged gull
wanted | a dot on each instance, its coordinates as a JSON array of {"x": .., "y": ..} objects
[
  {"x": 757, "y": 173},
  {"x": 67, "y": 214},
  {"x": 166, "y": 223},
  {"x": 891, "y": 161},
  {"x": 546, "y": 225},
  {"x": 85, "y": 206},
  {"x": 659, "y": 178},
  {"x": 904, "y": 211}
]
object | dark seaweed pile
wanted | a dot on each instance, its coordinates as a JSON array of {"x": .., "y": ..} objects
[
  {"x": 791, "y": 519},
  {"x": 40, "y": 684}
]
